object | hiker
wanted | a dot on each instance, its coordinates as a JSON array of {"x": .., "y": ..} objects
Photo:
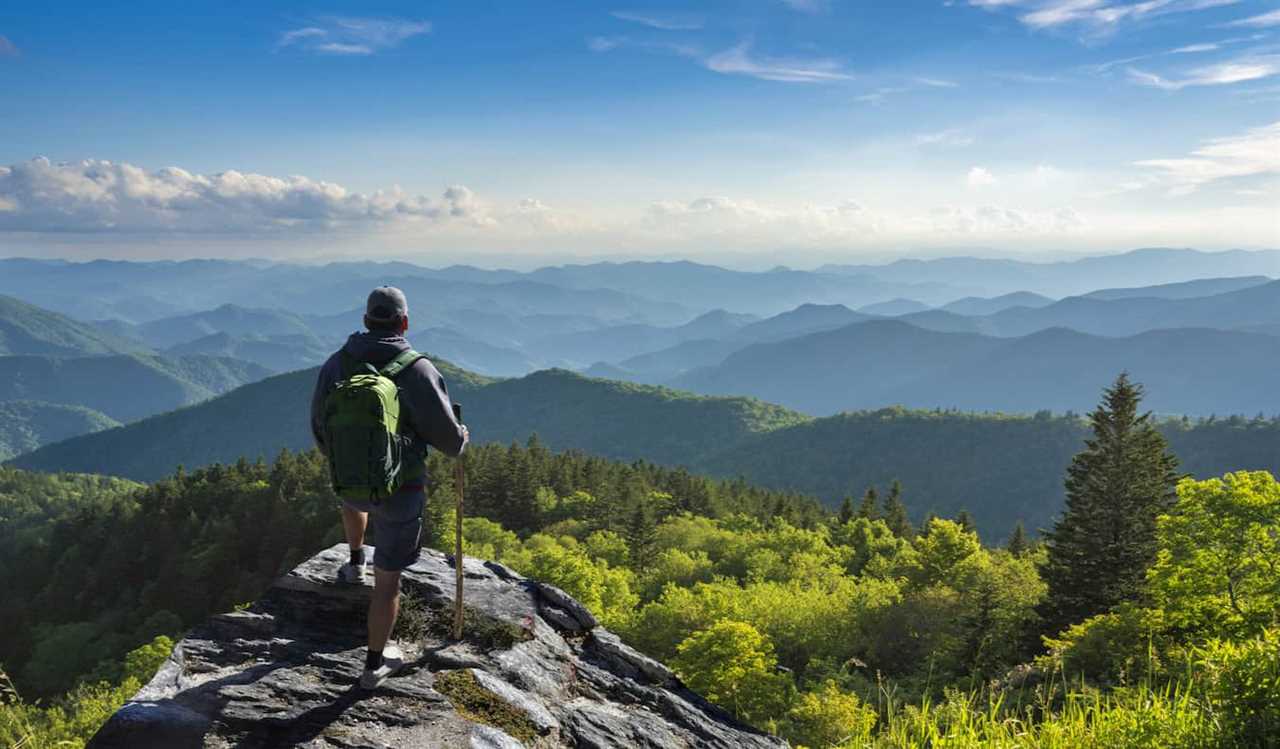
[{"x": 425, "y": 418}]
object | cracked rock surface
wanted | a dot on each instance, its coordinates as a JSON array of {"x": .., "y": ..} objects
[{"x": 534, "y": 670}]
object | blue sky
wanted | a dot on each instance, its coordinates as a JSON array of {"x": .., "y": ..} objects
[{"x": 509, "y": 132}]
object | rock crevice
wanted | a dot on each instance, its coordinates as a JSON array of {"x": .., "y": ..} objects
[{"x": 535, "y": 669}]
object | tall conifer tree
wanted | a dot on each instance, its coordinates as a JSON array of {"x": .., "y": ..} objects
[
  {"x": 869, "y": 508},
  {"x": 1018, "y": 544},
  {"x": 1101, "y": 547},
  {"x": 895, "y": 512},
  {"x": 846, "y": 510}
]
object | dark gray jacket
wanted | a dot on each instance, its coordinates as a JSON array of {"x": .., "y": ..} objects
[{"x": 422, "y": 395}]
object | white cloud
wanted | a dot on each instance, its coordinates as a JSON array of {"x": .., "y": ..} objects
[
  {"x": 1045, "y": 174},
  {"x": 738, "y": 60},
  {"x": 8, "y": 48},
  {"x": 807, "y": 6},
  {"x": 1097, "y": 14},
  {"x": 604, "y": 43},
  {"x": 944, "y": 138},
  {"x": 1185, "y": 50},
  {"x": 343, "y": 35},
  {"x": 936, "y": 83},
  {"x": 979, "y": 177},
  {"x": 661, "y": 22},
  {"x": 1261, "y": 21},
  {"x": 990, "y": 220},
  {"x": 95, "y": 196},
  {"x": 1219, "y": 74},
  {"x": 878, "y": 96},
  {"x": 1254, "y": 153}
]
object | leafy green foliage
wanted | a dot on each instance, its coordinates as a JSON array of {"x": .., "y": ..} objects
[
  {"x": 1218, "y": 569},
  {"x": 826, "y": 630},
  {"x": 1244, "y": 687},
  {"x": 74, "y": 717},
  {"x": 733, "y": 665}
]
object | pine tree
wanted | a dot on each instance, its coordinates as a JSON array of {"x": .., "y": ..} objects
[
  {"x": 846, "y": 510},
  {"x": 895, "y": 513},
  {"x": 1101, "y": 547},
  {"x": 641, "y": 535},
  {"x": 1017, "y": 544},
  {"x": 869, "y": 508},
  {"x": 965, "y": 521}
]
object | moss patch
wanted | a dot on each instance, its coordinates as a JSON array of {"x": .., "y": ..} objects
[
  {"x": 420, "y": 619},
  {"x": 479, "y": 705}
]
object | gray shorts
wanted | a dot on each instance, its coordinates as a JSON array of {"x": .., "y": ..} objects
[{"x": 397, "y": 527}]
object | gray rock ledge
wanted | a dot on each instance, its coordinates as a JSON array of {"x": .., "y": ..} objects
[{"x": 534, "y": 670}]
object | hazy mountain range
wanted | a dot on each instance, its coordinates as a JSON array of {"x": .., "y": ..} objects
[{"x": 84, "y": 346}]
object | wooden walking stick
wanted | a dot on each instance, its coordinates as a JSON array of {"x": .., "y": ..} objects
[{"x": 460, "y": 482}]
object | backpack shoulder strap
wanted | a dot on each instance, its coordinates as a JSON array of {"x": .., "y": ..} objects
[
  {"x": 399, "y": 364},
  {"x": 349, "y": 365}
]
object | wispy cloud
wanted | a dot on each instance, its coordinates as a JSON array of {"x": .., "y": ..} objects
[
  {"x": 1220, "y": 74},
  {"x": 879, "y": 95},
  {"x": 944, "y": 138},
  {"x": 662, "y": 22},
  {"x": 1099, "y": 14},
  {"x": 1029, "y": 78},
  {"x": 1265, "y": 20},
  {"x": 8, "y": 48},
  {"x": 343, "y": 35},
  {"x": 1256, "y": 152},
  {"x": 739, "y": 60},
  {"x": 1188, "y": 49},
  {"x": 610, "y": 43},
  {"x": 807, "y": 6}
]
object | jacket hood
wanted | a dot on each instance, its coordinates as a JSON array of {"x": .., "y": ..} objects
[{"x": 375, "y": 348}]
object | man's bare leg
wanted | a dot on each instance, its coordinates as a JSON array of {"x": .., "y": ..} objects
[
  {"x": 384, "y": 606},
  {"x": 354, "y": 523}
]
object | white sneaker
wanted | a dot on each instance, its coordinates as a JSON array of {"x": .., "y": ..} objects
[
  {"x": 352, "y": 574},
  {"x": 392, "y": 660}
]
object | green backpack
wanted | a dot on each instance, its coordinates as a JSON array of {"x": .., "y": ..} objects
[{"x": 362, "y": 429}]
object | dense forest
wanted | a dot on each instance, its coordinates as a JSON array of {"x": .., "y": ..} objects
[
  {"x": 1001, "y": 468},
  {"x": 849, "y": 629}
]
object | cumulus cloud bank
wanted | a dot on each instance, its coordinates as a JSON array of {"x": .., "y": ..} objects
[{"x": 93, "y": 195}]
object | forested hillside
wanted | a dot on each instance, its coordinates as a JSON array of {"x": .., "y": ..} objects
[
  {"x": 27, "y": 329},
  {"x": 26, "y": 425},
  {"x": 613, "y": 419},
  {"x": 1000, "y": 468},
  {"x": 122, "y": 386},
  {"x": 827, "y": 629}
]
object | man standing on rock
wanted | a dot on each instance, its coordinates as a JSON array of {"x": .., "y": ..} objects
[{"x": 410, "y": 410}]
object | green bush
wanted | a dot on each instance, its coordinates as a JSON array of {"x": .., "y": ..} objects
[{"x": 1243, "y": 688}]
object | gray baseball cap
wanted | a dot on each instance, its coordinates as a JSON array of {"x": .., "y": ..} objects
[{"x": 386, "y": 304}]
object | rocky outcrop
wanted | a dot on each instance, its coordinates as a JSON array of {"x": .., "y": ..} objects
[{"x": 534, "y": 670}]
